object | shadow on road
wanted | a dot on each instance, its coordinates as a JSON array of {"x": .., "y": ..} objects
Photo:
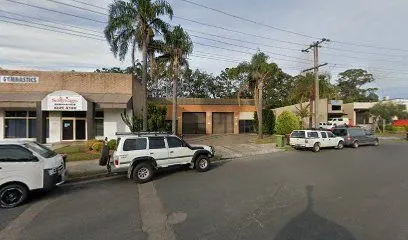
[{"x": 310, "y": 226}]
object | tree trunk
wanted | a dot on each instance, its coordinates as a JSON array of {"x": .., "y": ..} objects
[
  {"x": 260, "y": 108},
  {"x": 136, "y": 85},
  {"x": 144, "y": 83},
  {"x": 174, "y": 115}
]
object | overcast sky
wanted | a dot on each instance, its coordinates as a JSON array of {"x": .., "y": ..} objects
[{"x": 376, "y": 23}]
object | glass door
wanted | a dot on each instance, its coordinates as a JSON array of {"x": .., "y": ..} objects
[
  {"x": 80, "y": 129},
  {"x": 67, "y": 129}
]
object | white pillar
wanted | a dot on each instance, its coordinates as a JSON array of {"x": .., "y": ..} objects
[
  {"x": 55, "y": 127},
  {"x": 112, "y": 123}
]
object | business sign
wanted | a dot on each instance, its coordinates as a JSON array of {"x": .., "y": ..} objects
[
  {"x": 19, "y": 79},
  {"x": 336, "y": 102},
  {"x": 64, "y": 101}
]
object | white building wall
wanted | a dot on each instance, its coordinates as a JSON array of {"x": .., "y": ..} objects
[
  {"x": 246, "y": 116},
  {"x": 112, "y": 123},
  {"x": 55, "y": 127},
  {"x": 1, "y": 124}
]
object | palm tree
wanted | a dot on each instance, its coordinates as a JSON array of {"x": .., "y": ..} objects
[
  {"x": 177, "y": 46},
  {"x": 256, "y": 73},
  {"x": 133, "y": 24}
]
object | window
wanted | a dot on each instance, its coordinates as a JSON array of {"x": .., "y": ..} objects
[
  {"x": 40, "y": 149},
  {"x": 12, "y": 153},
  {"x": 20, "y": 124},
  {"x": 246, "y": 126},
  {"x": 336, "y": 107},
  {"x": 340, "y": 132},
  {"x": 156, "y": 143},
  {"x": 81, "y": 114},
  {"x": 99, "y": 124},
  {"x": 356, "y": 132},
  {"x": 174, "y": 142},
  {"x": 298, "y": 134},
  {"x": 312, "y": 135},
  {"x": 324, "y": 134},
  {"x": 134, "y": 144},
  {"x": 330, "y": 135}
]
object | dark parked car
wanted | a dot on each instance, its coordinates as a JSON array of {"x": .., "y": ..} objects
[{"x": 355, "y": 136}]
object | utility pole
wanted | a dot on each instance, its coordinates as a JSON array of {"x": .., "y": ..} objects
[{"x": 315, "y": 46}]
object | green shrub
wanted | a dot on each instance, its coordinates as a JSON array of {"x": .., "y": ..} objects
[
  {"x": 90, "y": 143},
  {"x": 268, "y": 121},
  {"x": 112, "y": 144},
  {"x": 397, "y": 129},
  {"x": 286, "y": 123},
  {"x": 97, "y": 146}
]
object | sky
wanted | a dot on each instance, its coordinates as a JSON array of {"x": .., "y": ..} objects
[{"x": 368, "y": 34}]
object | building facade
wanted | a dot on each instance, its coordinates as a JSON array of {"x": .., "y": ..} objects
[
  {"x": 72, "y": 106},
  {"x": 62, "y": 106}
]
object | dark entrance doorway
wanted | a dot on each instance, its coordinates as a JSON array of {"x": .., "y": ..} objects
[
  {"x": 67, "y": 129},
  {"x": 223, "y": 123},
  {"x": 194, "y": 123}
]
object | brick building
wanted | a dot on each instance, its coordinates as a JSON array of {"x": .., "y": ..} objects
[{"x": 74, "y": 106}]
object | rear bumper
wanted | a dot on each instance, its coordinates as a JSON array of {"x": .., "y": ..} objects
[{"x": 50, "y": 181}]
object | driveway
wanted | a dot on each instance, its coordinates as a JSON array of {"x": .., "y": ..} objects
[{"x": 349, "y": 194}]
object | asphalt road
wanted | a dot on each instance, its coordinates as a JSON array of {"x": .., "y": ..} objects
[{"x": 337, "y": 195}]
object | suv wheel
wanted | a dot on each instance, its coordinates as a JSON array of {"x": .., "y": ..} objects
[
  {"x": 202, "y": 163},
  {"x": 316, "y": 147},
  {"x": 340, "y": 145},
  {"x": 12, "y": 195},
  {"x": 355, "y": 144},
  {"x": 142, "y": 173}
]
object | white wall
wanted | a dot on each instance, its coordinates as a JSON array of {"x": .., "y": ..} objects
[
  {"x": 1, "y": 124},
  {"x": 55, "y": 127},
  {"x": 246, "y": 116},
  {"x": 112, "y": 123}
]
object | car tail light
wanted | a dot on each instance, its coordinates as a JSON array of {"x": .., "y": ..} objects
[
  {"x": 116, "y": 162},
  {"x": 349, "y": 138}
]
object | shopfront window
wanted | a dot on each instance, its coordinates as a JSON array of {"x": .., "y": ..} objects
[
  {"x": 20, "y": 124},
  {"x": 99, "y": 123}
]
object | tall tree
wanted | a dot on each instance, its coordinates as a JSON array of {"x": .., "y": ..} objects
[
  {"x": 255, "y": 74},
  {"x": 177, "y": 46},
  {"x": 134, "y": 23},
  {"x": 351, "y": 83}
]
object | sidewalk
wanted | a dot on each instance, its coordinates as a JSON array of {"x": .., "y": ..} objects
[{"x": 226, "y": 147}]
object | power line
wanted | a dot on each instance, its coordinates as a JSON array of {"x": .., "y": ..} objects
[
  {"x": 235, "y": 31},
  {"x": 288, "y": 31},
  {"x": 73, "y": 6},
  {"x": 91, "y": 5},
  {"x": 236, "y": 45},
  {"x": 45, "y": 25},
  {"x": 51, "y": 30},
  {"x": 249, "y": 20},
  {"x": 43, "y": 20},
  {"x": 52, "y": 10}
]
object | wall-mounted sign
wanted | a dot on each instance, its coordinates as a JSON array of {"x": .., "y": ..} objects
[
  {"x": 336, "y": 102},
  {"x": 64, "y": 101},
  {"x": 19, "y": 79}
]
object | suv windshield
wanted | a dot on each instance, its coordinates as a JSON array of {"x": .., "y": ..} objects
[
  {"x": 298, "y": 134},
  {"x": 40, "y": 149}
]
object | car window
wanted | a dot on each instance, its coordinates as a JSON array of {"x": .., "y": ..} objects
[
  {"x": 312, "y": 135},
  {"x": 330, "y": 134},
  {"x": 341, "y": 132},
  {"x": 10, "y": 153},
  {"x": 298, "y": 134},
  {"x": 174, "y": 142},
  {"x": 134, "y": 144},
  {"x": 356, "y": 132},
  {"x": 324, "y": 135},
  {"x": 40, "y": 149},
  {"x": 156, "y": 143}
]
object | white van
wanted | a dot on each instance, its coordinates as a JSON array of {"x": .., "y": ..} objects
[
  {"x": 26, "y": 166},
  {"x": 339, "y": 121}
]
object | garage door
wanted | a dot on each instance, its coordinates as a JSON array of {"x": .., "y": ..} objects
[
  {"x": 223, "y": 122},
  {"x": 194, "y": 123}
]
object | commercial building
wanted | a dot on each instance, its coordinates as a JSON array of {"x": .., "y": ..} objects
[{"x": 73, "y": 106}]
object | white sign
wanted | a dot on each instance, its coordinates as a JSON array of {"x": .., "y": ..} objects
[
  {"x": 64, "y": 103},
  {"x": 19, "y": 79}
]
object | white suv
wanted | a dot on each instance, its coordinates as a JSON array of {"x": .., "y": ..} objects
[
  {"x": 315, "y": 140},
  {"x": 143, "y": 153}
]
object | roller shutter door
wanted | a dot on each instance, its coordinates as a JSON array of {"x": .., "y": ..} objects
[
  {"x": 194, "y": 123},
  {"x": 223, "y": 123}
]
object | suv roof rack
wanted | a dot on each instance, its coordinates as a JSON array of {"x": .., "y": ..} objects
[{"x": 143, "y": 133}]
